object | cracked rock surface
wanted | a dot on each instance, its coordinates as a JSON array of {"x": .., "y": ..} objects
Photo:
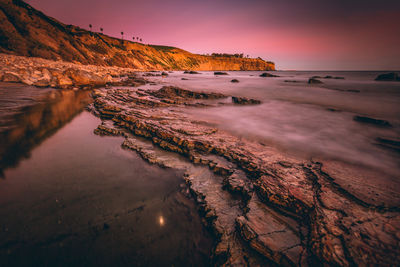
[{"x": 265, "y": 207}]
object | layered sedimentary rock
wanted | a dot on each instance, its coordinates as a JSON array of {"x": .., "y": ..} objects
[
  {"x": 26, "y": 31},
  {"x": 263, "y": 206},
  {"x": 60, "y": 74}
]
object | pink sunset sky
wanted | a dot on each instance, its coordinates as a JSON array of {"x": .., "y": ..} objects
[{"x": 300, "y": 35}]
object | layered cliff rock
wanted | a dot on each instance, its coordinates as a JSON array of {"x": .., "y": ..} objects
[{"x": 26, "y": 31}]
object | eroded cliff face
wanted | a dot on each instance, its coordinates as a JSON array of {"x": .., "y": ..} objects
[{"x": 26, "y": 31}]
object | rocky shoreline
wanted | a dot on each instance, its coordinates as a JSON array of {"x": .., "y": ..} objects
[
  {"x": 263, "y": 206},
  {"x": 60, "y": 74}
]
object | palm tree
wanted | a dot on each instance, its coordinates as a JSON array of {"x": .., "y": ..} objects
[
  {"x": 137, "y": 38},
  {"x": 101, "y": 29},
  {"x": 90, "y": 26},
  {"x": 140, "y": 39},
  {"x": 133, "y": 38},
  {"x": 122, "y": 34}
]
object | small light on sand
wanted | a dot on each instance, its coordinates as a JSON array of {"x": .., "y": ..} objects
[{"x": 161, "y": 220}]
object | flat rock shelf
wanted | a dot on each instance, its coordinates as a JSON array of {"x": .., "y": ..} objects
[{"x": 263, "y": 206}]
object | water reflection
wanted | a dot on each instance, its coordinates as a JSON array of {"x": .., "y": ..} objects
[
  {"x": 161, "y": 220},
  {"x": 83, "y": 200},
  {"x": 31, "y": 115}
]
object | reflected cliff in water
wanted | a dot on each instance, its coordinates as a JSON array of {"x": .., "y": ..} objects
[{"x": 29, "y": 115}]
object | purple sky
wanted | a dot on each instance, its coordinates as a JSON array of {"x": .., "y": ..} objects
[{"x": 295, "y": 34}]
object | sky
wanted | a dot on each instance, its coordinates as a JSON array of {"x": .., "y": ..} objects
[{"x": 295, "y": 34}]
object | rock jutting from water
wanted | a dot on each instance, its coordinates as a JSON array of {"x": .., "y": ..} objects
[
  {"x": 262, "y": 205},
  {"x": 391, "y": 76},
  {"x": 314, "y": 81},
  {"x": 266, "y": 74},
  {"x": 191, "y": 72},
  {"x": 372, "y": 121},
  {"x": 220, "y": 73}
]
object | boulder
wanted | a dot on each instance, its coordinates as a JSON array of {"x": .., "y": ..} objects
[
  {"x": 314, "y": 81},
  {"x": 43, "y": 82},
  {"x": 190, "y": 72},
  {"x": 63, "y": 82},
  {"x": 245, "y": 101},
  {"x": 164, "y": 73},
  {"x": 220, "y": 73},
  {"x": 82, "y": 77},
  {"x": 266, "y": 74},
  {"x": 235, "y": 81},
  {"x": 391, "y": 76}
]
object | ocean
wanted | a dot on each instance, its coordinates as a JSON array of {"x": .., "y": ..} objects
[{"x": 308, "y": 120}]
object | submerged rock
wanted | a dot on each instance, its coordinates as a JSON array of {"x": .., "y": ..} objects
[
  {"x": 391, "y": 76},
  {"x": 220, "y": 73},
  {"x": 389, "y": 143},
  {"x": 235, "y": 81},
  {"x": 330, "y": 77},
  {"x": 191, "y": 72},
  {"x": 368, "y": 120}
]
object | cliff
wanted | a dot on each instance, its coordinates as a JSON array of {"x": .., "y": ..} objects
[{"x": 25, "y": 31}]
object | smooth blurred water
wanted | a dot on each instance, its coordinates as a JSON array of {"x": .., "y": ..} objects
[{"x": 307, "y": 119}]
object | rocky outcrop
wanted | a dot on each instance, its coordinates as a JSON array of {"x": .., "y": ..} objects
[
  {"x": 391, "y": 76},
  {"x": 372, "y": 121},
  {"x": 263, "y": 206},
  {"x": 26, "y": 31},
  {"x": 314, "y": 81},
  {"x": 245, "y": 100},
  {"x": 178, "y": 94},
  {"x": 58, "y": 74},
  {"x": 266, "y": 74},
  {"x": 190, "y": 72}
]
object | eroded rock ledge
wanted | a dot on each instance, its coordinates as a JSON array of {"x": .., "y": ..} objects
[
  {"x": 264, "y": 207},
  {"x": 59, "y": 74}
]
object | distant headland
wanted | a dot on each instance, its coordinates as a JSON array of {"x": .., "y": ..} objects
[{"x": 28, "y": 32}]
